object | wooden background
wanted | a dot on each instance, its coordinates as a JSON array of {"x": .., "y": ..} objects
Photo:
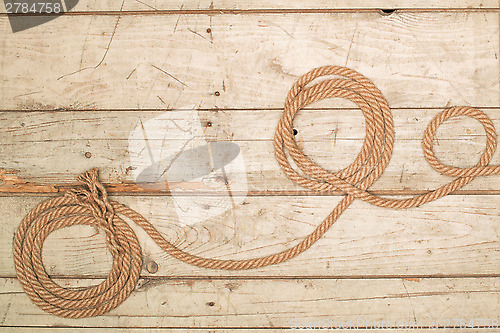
[{"x": 73, "y": 89}]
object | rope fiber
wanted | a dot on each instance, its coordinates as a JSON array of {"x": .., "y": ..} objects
[{"x": 90, "y": 205}]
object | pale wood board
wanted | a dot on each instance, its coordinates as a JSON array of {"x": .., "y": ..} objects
[
  {"x": 275, "y": 303},
  {"x": 268, "y": 5},
  {"x": 454, "y": 236},
  {"x": 332, "y": 138},
  {"x": 116, "y": 62}
]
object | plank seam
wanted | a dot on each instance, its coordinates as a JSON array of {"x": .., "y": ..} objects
[{"x": 270, "y": 11}]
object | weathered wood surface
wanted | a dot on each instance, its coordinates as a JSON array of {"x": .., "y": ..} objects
[
  {"x": 216, "y": 6},
  {"x": 276, "y": 303},
  {"x": 161, "y": 61},
  {"x": 455, "y": 236},
  {"x": 141, "y": 59},
  {"x": 332, "y": 138}
]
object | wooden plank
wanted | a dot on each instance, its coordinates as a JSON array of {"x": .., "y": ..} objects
[
  {"x": 272, "y": 5},
  {"x": 72, "y": 142},
  {"x": 454, "y": 236},
  {"x": 120, "y": 62},
  {"x": 313, "y": 125},
  {"x": 366, "y": 303}
]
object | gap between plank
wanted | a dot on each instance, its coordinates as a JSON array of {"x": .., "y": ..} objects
[{"x": 256, "y": 11}]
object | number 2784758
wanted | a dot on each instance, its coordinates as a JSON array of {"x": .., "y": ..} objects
[{"x": 33, "y": 7}]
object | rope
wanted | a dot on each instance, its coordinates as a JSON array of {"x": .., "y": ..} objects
[{"x": 90, "y": 204}]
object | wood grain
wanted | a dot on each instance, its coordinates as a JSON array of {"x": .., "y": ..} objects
[
  {"x": 455, "y": 236},
  {"x": 163, "y": 61},
  {"x": 278, "y": 303}
]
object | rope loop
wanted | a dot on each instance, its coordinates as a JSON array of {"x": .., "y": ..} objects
[
  {"x": 377, "y": 147},
  {"x": 482, "y": 168},
  {"x": 90, "y": 205},
  {"x": 82, "y": 206}
]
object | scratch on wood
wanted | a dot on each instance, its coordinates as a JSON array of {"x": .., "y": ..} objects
[
  {"x": 335, "y": 131},
  {"x": 160, "y": 99},
  {"x": 177, "y": 155},
  {"x": 177, "y": 23},
  {"x": 211, "y": 35},
  {"x": 147, "y": 284},
  {"x": 150, "y": 152},
  {"x": 111, "y": 39},
  {"x": 271, "y": 324},
  {"x": 31, "y": 93},
  {"x": 198, "y": 34},
  {"x": 350, "y": 45},
  {"x": 128, "y": 77},
  {"x": 180, "y": 128},
  {"x": 6, "y": 312},
  {"x": 145, "y": 4},
  {"x": 411, "y": 302},
  {"x": 84, "y": 43},
  {"x": 75, "y": 72},
  {"x": 423, "y": 77},
  {"x": 170, "y": 75},
  {"x": 278, "y": 26},
  {"x": 105, "y": 52}
]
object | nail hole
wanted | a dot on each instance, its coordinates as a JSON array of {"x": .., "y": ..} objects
[
  {"x": 295, "y": 132},
  {"x": 210, "y": 303},
  {"x": 88, "y": 154},
  {"x": 387, "y": 12},
  {"x": 152, "y": 267},
  {"x": 209, "y": 30},
  {"x": 217, "y": 93},
  {"x": 209, "y": 124},
  {"x": 22, "y": 124}
]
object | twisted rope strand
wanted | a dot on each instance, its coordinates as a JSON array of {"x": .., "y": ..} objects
[{"x": 90, "y": 205}]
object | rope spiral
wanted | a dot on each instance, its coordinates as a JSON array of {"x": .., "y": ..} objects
[{"x": 90, "y": 204}]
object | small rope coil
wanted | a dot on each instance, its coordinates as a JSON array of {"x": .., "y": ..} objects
[{"x": 90, "y": 205}]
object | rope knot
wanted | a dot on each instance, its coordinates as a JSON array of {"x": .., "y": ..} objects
[{"x": 93, "y": 196}]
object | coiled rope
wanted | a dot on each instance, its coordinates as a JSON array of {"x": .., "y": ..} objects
[{"x": 90, "y": 205}]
